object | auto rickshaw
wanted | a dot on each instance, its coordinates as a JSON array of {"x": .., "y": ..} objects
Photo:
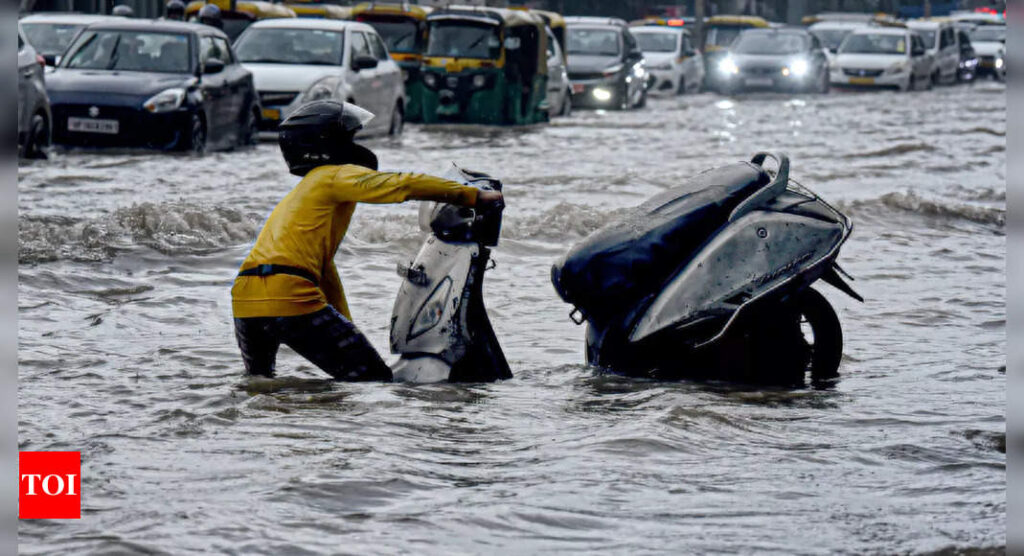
[
  {"x": 556, "y": 22},
  {"x": 239, "y": 14},
  {"x": 485, "y": 66},
  {"x": 719, "y": 32},
  {"x": 404, "y": 29},
  {"x": 318, "y": 10}
]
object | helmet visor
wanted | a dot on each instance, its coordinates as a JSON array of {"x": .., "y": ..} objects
[{"x": 354, "y": 117}]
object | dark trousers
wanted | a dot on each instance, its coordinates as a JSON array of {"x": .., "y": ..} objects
[{"x": 326, "y": 338}]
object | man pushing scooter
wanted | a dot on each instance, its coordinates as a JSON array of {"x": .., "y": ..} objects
[{"x": 288, "y": 289}]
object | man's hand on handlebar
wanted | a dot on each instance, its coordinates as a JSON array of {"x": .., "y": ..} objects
[{"x": 490, "y": 200}]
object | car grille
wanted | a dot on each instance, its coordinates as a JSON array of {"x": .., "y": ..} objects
[
  {"x": 761, "y": 71},
  {"x": 854, "y": 72},
  {"x": 274, "y": 98},
  {"x": 586, "y": 76}
]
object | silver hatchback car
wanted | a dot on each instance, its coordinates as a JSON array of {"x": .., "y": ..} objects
[{"x": 33, "y": 105}]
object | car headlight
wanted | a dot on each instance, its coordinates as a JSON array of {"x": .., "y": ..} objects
[
  {"x": 999, "y": 62},
  {"x": 321, "y": 90},
  {"x": 165, "y": 101},
  {"x": 612, "y": 70},
  {"x": 603, "y": 95},
  {"x": 798, "y": 68},
  {"x": 898, "y": 67},
  {"x": 728, "y": 66}
]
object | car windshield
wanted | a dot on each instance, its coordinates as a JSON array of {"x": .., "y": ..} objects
[
  {"x": 464, "y": 39},
  {"x": 131, "y": 51},
  {"x": 831, "y": 38},
  {"x": 312, "y": 47},
  {"x": 51, "y": 39},
  {"x": 982, "y": 33},
  {"x": 874, "y": 43},
  {"x": 722, "y": 36},
  {"x": 769, "y": 43},
  {"x": 401, "y": 35},
  {"x": 597, "y": 42},
  {"x": 927, "y": 36},
  {"x": 657, "y": 42}
]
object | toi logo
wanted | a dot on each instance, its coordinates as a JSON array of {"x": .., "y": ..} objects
[{"x": 49, "y": 485}]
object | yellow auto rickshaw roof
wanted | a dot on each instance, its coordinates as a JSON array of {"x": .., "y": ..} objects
[
  {"x": 392, "y": 8},
  {"x": 509, "y": 17},
  {"x": 737, "y": 21},
  {"x": 257, "y": 8},
  {"x": 326, "y": 11},
  {"x": 554, "y": 20}
]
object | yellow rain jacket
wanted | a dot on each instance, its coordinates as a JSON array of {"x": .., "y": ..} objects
[{"x": 306, "y": 228}]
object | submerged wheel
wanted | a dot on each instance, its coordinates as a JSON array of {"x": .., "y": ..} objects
[
  {"x": 248, "y": 134},
  {"x": 196, "y": 142},
  {"x": 566, "y": 104},
  {"x": 397, "y": 121},
  {"x": 819, "y": 321},
  {"x": 38, "y": 138}
]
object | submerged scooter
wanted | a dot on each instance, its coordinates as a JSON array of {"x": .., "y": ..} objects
[
  {"x": 711, "y": 279},
  {"x": 439, "y": 325}
]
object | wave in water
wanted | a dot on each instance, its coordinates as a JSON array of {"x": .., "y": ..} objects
[
  {"x": 913, "y": 203},
  {"x": 170, "y": 228}
]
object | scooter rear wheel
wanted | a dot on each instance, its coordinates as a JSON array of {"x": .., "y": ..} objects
[{"x": 826, "y": 346}]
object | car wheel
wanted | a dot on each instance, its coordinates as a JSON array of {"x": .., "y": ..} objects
[
  {"x": 681, "y": 89},
  {"x": 247, "y": 135},
  {"x": 825, "y": 85},
  {"x": 936, "y": 79},
  {"x": 566, "y": 104},
  {"x": 397, "y": 120},
  {"x": 38, "y": 138},
  {"x": 196, "y": 143},
  {"x": 643, "y": 99}
]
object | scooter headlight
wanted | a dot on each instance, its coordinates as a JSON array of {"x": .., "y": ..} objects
[
  {"x": 165, "y": 101},
  {"x": 432, "y": 310}
]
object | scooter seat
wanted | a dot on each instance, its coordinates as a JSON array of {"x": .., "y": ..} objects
[{"x": 630, "y": 259}]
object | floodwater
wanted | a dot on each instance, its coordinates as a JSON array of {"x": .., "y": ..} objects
[{"x": 127, "y": 353}]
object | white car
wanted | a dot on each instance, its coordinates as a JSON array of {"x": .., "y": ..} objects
[
  {"x": 294, "y": 61},
  {"x": 893, "y": 57},
  {"x": 832, "y": 33},
  {"x": 989, "y": 43},
  {"x": 942, "y": 44},
  {"x": 51, "y": 33},
  {"x": 559, "y": 87},
  {"x": 674, "y": 65}
]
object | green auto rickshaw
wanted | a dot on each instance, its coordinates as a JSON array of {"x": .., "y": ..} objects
[
  {"x": 404, "y": 29},
  {"x": 485, "y": 66}
]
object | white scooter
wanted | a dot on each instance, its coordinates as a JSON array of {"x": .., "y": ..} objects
[{"x": 439, "y": 325}]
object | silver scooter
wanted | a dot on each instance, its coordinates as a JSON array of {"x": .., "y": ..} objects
[
  {"x": 711, "y": 279},
  {"x": 439, "y": 325}
]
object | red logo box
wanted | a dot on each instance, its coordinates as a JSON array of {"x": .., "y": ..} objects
[{"x": 49, "y": 485}]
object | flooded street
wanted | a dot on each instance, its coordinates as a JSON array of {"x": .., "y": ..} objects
[{"x": 127, "y": 352}]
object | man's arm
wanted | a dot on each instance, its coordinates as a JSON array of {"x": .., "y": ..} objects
[
  {"x": 369, "y": 186},
  {"x": 330, "y": 284}
]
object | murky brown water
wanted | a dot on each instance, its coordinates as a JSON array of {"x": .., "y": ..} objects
[{"x": 127, "y": 353}]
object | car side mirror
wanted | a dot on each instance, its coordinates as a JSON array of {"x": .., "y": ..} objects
[
  {"x": 690, "y": 53},
  {"x": 50, "y": 59},
  {"x": 363, "y": 61},
  {"x": 212, "y": 66}
]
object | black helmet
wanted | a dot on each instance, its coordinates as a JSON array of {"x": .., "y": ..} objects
[
  {"x": 123, "y": 11},
  {"x": 174, "y": 9},
  {"x": 210, "y": 15},
  {"x": 322, "y": 132}
]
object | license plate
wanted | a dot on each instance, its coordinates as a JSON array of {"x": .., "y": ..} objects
[
  {"x": 271, "y": 114},
  {"x": 91, "y": 125},
  {"x": 862, "y": 81},
  {"x": 758, "y": 82},
  {"x": 577, "y": 89}
]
